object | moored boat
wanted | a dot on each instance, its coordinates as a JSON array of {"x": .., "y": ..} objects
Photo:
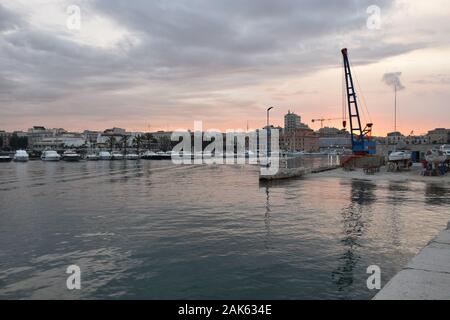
[
  {"x": 50, "y": 155},
  {"x": 5, "y": 157},
  {"x": 21, "y": 156},
  {"x": 117, "y": 156},
  {"x": 132, "y": 156},
  {"x": 104, "y": 155},
  {"x": 71, "y": 156},
  {"x": 92, "y": 157},
  {"x": 148, "y": 155},
  {"x": 164, "y": 155}
]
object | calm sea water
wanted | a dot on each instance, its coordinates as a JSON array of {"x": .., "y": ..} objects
[{"x": 153, "y": 230}]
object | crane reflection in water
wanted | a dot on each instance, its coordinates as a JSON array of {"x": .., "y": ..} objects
[{"x": 354, "y": 225}]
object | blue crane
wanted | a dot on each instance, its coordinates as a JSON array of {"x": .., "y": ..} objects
[{"x": 361, "y": 138}]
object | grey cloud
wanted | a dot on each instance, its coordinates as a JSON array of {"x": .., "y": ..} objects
[
  {"x": 8, "y": 20},
  {"x": 437, "y": 79},
  {"x": 187, "y": 49}
]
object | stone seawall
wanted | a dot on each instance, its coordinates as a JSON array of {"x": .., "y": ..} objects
[{"x": 426, "y": 277}]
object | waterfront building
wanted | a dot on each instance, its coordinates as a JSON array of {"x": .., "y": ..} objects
[
  {"x": 300, "y": 139},
  {"x": 72, "y": 140},
  {"x": 39, "y": 137},
  {"x": 337, "y": 142},
  {"x": 293, "y": 121},
  {"x": 332, "y": 132},
  {"x": 91, "y": 137},
  {"x": 50, "y": 143},
  {"x": 439, "y": 136},
  {"x": 334, "y": 138},
  {"x": 420, "y": 139},
  {"x": 395, "y": 137},
  {"x": 4, "y": 139},
  {"x": 114, "y": 132},
  {"x": 162, "y": 135}
]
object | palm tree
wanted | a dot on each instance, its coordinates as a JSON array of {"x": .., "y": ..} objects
[
  {"x": 137, "y": 142},
  {"x": 111, "y": 142}
]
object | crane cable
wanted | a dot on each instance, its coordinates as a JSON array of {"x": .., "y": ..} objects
[{"x": 363, "y": 102}]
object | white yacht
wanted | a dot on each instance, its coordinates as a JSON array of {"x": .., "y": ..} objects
[
  {"x": 104, "y": 155},
  {"x": 132, "y": 156},
  {"x": 117, "y": 156},
  {"x": 148, "y": 155},
  {"x": 50, "y": 155},
  {"x": 71, "y": 156},
  {"x": 21, "y": 156},
  {"x": 92, "y": 157},
  {"x": 5, "y": 157}
]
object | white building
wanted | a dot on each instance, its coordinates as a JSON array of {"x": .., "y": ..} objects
[
  {"x": 395, "y": 137},
  {"x": 439, "y": 135}
]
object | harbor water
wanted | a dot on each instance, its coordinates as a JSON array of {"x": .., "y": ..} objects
[{"x": 155, "y": 230}]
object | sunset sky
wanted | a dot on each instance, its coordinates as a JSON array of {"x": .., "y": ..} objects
[{"x": 161, "y": 65}]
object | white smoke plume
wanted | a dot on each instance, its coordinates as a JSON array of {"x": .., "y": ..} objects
[{"x": 393, "y": 80}]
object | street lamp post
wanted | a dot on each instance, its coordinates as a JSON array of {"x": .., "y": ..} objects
[{"x": 268, "y": 136}]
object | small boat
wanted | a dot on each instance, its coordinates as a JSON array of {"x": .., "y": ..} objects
[
  {"x": 104, "y": 155},
  {"x": 92, "y": 157},
  {"x": 160, "y": 155},
  {"x": 148, "y": 155},
  {"x": 21, "y": 156},
  {"x": 5, "y": 157},
  {"x": 71, "y": 156},
  {"x": 117, "y": 156},
  {"x": 50, "y": 155},
  {"x": 132, "y": 156},
  {"x": 400, "y": 156}
]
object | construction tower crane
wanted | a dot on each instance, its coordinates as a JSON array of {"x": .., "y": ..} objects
[
  {"x": 323, "y": 120},
  {"x": 361, "y": 138}
]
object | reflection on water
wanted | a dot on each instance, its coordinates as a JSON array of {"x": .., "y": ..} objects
[
  {"x": 267, "y": 219},
  {"x": 437, "y": 194},
  {"x": 362, "y": 196},
  {"x": 156, "y": 230}
]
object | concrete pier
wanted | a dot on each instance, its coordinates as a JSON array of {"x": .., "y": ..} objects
[
  {"x": 288, "y": 173},
  {"x": 426, "y": 277}
]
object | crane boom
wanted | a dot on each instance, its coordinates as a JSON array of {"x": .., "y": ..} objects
[{"x": 361, "y": 143}]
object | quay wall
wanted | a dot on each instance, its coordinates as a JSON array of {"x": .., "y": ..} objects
[{"x": 426, "y": 276}]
